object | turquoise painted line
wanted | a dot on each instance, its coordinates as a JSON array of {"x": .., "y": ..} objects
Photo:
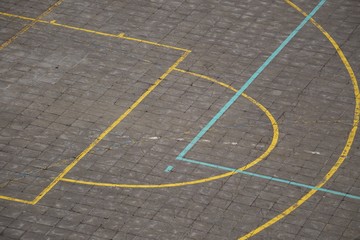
[
  {"x": 169, "y": 168},
  {"x": 248, "y": 82},
  {"x": 275, "y": 179}
]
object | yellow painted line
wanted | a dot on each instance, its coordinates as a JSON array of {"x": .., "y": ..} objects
[
  {"x": 30, "y": 25},
  {"x": 7, "y": 43},
  {"x": 54, "y": 23},
  {"x": 349, "y": 141},
  {"x": 121, "y": 35},
  {"x": 114, "y": 124},
  {"x": 259, "y": 105},
  {"x": 109, "y": 129},
  {"x": 152, "y": 43},
  {"x": 203, "y": 180},
  {"x": 15, "y": 199},
  {"x": 18, "y": 16}
]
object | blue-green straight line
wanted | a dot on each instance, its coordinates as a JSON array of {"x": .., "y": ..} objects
[
  {"x": 249, "y": 81},
  {"x": 275, "y": 179}
]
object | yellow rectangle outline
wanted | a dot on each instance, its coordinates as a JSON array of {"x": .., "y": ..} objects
[{"x": 118, "y": 120}]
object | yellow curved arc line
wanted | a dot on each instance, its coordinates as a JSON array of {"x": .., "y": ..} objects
[
  {"x": 198, "y": 181},
  {"x": 349, "y": 141}
]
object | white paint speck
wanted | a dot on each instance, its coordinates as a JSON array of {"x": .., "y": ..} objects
[
  {"x": 315, "y": 153},
  {"x": 154, "y": 138}
]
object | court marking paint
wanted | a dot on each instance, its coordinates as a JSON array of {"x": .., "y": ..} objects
[
  {"x": 109, "y": 129},
  {"x": 208, "y": 179},
  {"x": 30, "y": 25},
  {"x": 120, "y": 35},
  {"x": 233, "y": 171},
  {"x": 352, "y": 132},
  {"x": 247, "y": 83},
  {"x": 169, "y": 168},
  {"x": 11, "y": 40},
  {"x": 275, "y": 179},
  {"x": 99, "y": 138},
  {"x": 117, "y": 121},
  {"x": 349, "y": 141},
  {"x": 93, "y": 144}
]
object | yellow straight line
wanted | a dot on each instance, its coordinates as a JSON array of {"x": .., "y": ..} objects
[
  {"x": 204, "y": 180},
  {"x": 152, "y": 43},
  {"x": 121, "y": 35},
  {"x": 7, "y": 43},
  {"x": 15, "y": 199},
  {"x": 20, "y": 17},
  {"x": 109, "y": 129},
  {"x": 349, "y": 141},
  {"x": 54, "y": 23},
  {"x": 30, "y": 25}
]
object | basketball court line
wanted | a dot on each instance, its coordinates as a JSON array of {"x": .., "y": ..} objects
[
  {"x": 11, "y": 40},
  {"x": 120, "y": 35},
  {"x": 270, "y": 148},
  {"x": 247, "y": 83},
  {"x": 30, "y": 25},
  {"x": 185, "y": 52},
  {"x": 174, "y": 67},
  {"x": 229, "y": 169},
  {"x": 275, "y": 179},
  {"x": 349, "y": 140}
]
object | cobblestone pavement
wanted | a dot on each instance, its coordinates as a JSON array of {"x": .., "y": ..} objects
[{"x": 103, "y": 101}]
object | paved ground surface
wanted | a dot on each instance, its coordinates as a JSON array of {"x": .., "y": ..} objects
[{"x": 99, "y": 98}]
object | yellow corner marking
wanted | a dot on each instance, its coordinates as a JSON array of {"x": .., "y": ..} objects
[
  {"x": 12, "y": 39},
  {"x": 113, "y": 125},
  {"x": 349, "y": 141},
  {"x": 54, "y": 23},
  {"x": 15, "y": 199},
  {"x": 121, "y": 35},
  {"x": 203, "y": 180},
  {"x": 30, "y": 25},
  {"x": 109, "y": 129}
]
